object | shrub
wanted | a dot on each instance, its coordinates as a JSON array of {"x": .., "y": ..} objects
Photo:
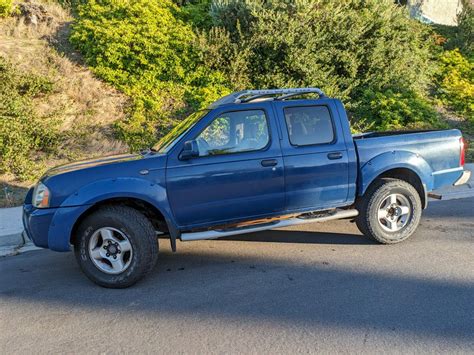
[
  {"x": 6, "y": 7},
  {"x": 146, "y": 50},
  {"x": 341, "y": 46},
  {"x": 197, "y": 13},
  {"x": 465, "y": 30},
  {"x": 172, "y": 59},
  {"x": 390, "y": 110},
  {"x": 462, "y": 35},
  {"x": 455, "y": 82},
  {"x": 23, "y": 134}
]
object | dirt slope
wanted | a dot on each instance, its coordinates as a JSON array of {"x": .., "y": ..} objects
[{"x": 36, "y": 41}]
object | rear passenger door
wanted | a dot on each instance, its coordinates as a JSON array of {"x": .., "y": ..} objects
[{"x": 314, "y": 154}]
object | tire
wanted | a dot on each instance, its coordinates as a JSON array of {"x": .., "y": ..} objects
[
  {"x": 391, "y": 225},
  {"x": 116, "y": 246}
]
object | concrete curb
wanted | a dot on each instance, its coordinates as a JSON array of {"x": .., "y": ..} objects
[{"x": 11, "y": 230}]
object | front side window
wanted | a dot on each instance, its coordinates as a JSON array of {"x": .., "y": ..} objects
[
  {"x": 234, "y": 132},
  {"x": 309, "y": 125}
]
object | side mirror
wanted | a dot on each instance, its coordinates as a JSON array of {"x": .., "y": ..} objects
[{"x": 190, "y": 150}]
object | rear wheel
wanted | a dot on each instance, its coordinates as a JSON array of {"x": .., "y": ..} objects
[
  {"x": 390, "y": 211},
  {"x": 116, "y": 246}
]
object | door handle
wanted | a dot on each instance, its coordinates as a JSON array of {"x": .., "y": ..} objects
[
  {"x": 335, "y": 155},
  {"x": 269, "y": 162}
]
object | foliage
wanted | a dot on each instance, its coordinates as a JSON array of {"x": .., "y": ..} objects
[
  {"x": 340, "y": 46},
  {"x": 461, "y": 36},
  {"x": 197, "y": 13},
  {"x": 6, "y": 7},
  {"x": 389, "y": 110},
  {"x": 22, "y": 131},
  {"x": 146, "y": 50},
  {"x": 346, "y": 48},
  {"x": 174, "y": 57},
  {"x": 465, "y": 37},
  {"x": 455, "y": 83}
]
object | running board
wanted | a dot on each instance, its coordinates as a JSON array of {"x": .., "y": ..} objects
[{"x": 214, "y": 234}]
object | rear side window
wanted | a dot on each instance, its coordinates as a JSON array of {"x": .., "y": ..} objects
[{"x": 309, "y": 125}]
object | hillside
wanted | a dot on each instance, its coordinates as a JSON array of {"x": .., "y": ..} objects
[{"x": 35, "y": 45}]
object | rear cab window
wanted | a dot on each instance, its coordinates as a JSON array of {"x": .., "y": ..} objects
[{"x": 309, "y": 125}]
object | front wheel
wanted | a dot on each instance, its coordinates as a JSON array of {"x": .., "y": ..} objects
[
  {"x": 390, "y": 211},
  {"x": 116, "y": 246}
]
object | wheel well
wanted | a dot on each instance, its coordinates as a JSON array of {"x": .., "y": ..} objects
[
  {"x": 150, "y": 211},
  {"x": 409, "y": 176}
]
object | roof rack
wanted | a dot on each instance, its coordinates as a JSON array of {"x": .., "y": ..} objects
[{"x": 250, "y": 95}]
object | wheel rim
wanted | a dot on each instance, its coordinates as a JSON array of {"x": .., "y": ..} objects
[
  {"x": 394, "y": 212},
  {"x": 110, "y": 250}
]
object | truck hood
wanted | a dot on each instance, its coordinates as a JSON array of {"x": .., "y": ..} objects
[
  {"x": 91, "y": 163},
  {"x": 71, "y": 178}
]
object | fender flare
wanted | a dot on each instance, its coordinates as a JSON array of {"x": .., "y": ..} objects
[
  {"x": 395, "y": 160},
  {"x": 88, "y": 195}
]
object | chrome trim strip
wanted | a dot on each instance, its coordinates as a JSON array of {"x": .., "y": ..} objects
[
  {"x": 213, "y": 234},
  {"x": 446, "y": 171}
]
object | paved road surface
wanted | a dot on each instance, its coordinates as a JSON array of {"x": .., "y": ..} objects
[{"x": 316, "y": 288}]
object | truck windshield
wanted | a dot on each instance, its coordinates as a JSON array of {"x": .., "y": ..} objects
[{"x": 173, "y": 136}]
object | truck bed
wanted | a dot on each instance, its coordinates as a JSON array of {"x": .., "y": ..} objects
[{"x": 416, "y": 148}]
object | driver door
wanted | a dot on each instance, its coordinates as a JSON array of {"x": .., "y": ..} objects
[{"x": 238, "y": 175}]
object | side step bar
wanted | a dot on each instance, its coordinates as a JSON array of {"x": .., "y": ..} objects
[{"x": 214, "y": 234}]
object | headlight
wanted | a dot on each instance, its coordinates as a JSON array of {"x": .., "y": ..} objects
[{"x": 41, "y": 196}]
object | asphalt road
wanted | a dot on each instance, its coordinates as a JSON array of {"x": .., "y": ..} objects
[{"x": 317, "y": 288}]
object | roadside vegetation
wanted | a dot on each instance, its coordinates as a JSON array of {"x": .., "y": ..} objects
[
  {"x": 23, "y": 131},
  {"x": 6, "y": 7},
  {"x": 52, "y": 108},
  {"x": 86, "y": 77}
]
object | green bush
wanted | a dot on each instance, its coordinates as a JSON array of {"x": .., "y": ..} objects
[
  {"x": 460, "y": 36},
  {"x": 146, "y": 50},
  {"x": 341, "y": 46},
  {"x": 23, "y": 135},
  {"x": 6, "y": 7},
  {"x": 197, "y": 12},
  {"x": 389, "y": 110},
  {"x": 455, "y": 83},
  {"x": 465, "y": 35},
  {"x": 172, "y": 59},
  {"x": 347, "y": 48}
]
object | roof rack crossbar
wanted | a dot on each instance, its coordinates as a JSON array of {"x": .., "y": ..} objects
[
  {"x": 249, "y": 95},
  {"x": 251, "y": 98},
  {"x": 287, "y": 96}
]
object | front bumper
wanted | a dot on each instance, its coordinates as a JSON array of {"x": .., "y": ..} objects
[
  {"x": 37, "y": 223},
  {"x": 51, "y": 227},
  {"x": 466, "y": 175}
]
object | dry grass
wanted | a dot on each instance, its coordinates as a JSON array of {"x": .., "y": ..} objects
[
  {"x": 86, "y": 106},
  {"x": 12, "y": 193}
]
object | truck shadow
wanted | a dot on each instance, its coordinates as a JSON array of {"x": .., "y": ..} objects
[{"x": 304, "y": 237}]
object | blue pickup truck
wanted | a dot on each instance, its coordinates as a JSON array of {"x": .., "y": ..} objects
[{"x": 253, "y": 160}]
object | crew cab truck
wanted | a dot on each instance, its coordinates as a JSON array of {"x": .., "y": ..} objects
[{"x": 253, "y": 160}]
